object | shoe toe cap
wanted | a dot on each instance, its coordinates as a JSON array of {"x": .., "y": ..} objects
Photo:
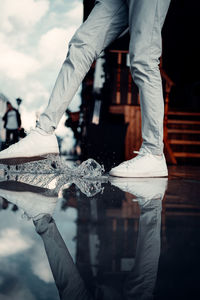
[{"x": 117, "y": 170}]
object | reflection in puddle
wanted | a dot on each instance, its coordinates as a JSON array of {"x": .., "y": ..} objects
[
  {"x": 138, "y": 283},
  {"x": 118, "y": 231}
]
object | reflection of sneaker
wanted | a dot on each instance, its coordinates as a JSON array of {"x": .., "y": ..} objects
[
  {"x": 143, "y": 189},
  {"x": 31, "y": 199},
  {"x": 35, "y": 146},
  {"x": 45, "y": 181},
  {"x": 89, "y": 187},
  {"x": 143, "y": 165},
  {"x": 53, "y": 183}
]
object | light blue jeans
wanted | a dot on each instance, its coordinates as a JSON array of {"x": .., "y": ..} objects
[
  {"x": 108, "y": 19},
  {"x": 141, "y": 280}
]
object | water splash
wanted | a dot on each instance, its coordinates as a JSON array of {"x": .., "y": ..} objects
[
  {"x": 54, "y": 173},
  {"x": 89, "y": 187},
  {"x": 88, "y": 169}
]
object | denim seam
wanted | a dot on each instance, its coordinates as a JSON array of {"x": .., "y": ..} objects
[{"x": 150, "y": 56}]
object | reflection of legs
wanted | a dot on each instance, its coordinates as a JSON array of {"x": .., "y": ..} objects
[
  {"x": 141, "y": 281},
  {"x": 145, "y": 20},
  {"x": 67, "y": 278},
  {"x": 106, "y": 21}
]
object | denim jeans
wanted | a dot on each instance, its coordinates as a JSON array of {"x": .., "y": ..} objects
[
  {"x": 108, "y": 19},
  {"x": 139, "y": 283},
  {"x": 15, "y": 136}
]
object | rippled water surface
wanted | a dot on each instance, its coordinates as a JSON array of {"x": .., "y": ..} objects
[{"x": 90, "y": 236}]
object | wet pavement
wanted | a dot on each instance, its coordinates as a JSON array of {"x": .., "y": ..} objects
[{"x": 66, "y": 236}]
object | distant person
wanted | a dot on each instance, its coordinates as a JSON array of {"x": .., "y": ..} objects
[
  {"x": 107, "y": 21},
  {"x": 12, "y": 124}
]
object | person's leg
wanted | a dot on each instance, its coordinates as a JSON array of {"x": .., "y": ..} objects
[
  {"x": 69, "y": 283},
  {"x": 15, "y": 136},
  {"x": 106, "y": 22},
  {"x": 140, "y": 283},
  {"x": 8, "y": 133},
  {"x": 146, "y": 19},
  {"x": 145, "y": 23}
]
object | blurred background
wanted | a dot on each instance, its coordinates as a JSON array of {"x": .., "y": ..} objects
[{"x": 33, "y": 44}]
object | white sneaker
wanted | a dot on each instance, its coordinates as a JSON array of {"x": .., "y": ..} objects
[
  {"x": 143, "y": 165},
  {"x": 143, "y": 189},
  {"x": 34, "y": 201},
  {"x": 36, "y": 146}
]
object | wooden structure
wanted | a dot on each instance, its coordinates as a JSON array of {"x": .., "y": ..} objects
[
  {"x": 181, "y": 129},
  {"x": 183, "y": 134},
  {"x": 131, "y": 109},
  {"x": 133, "y": 118}
]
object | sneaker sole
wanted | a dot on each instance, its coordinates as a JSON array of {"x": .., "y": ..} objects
[
  {"x": 144, "y": 175},
  {"x": 22, "y": 160}
]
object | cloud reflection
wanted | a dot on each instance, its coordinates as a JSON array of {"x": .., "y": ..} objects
[{"x": 12, "y": 242}]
